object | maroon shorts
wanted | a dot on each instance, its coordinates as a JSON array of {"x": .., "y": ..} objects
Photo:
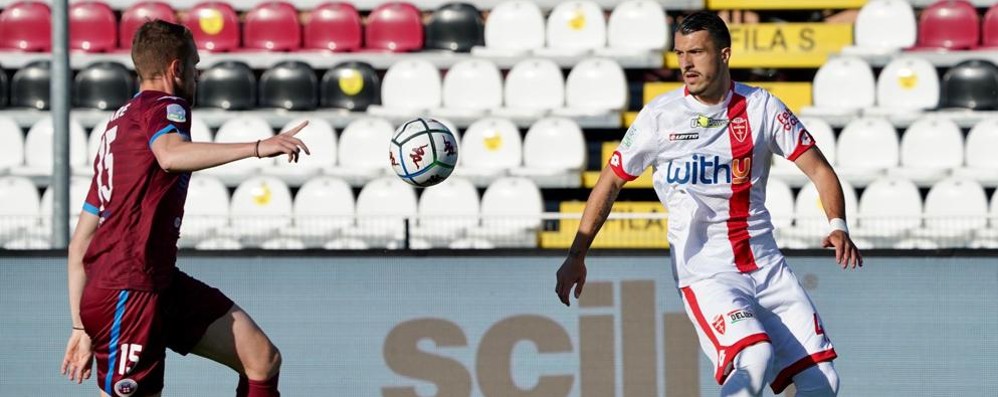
[{"x": 130, "y": 330}]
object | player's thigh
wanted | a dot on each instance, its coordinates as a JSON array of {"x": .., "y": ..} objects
[{"x": 235, "y": 340}]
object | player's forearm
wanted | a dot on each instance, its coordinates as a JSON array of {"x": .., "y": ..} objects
[
  {"x": 196, "y": 156},
  {"x": 597, "y": 210},
  {"x": 830, "y": 192},
  {"x": 77, "y": 277}
]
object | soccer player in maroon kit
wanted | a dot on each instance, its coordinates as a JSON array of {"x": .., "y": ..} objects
[{"x": 128, "y": 300}]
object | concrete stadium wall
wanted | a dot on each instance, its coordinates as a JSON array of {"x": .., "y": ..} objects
[{"x": 490, "y": 326}]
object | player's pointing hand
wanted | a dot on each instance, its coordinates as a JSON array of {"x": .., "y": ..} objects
[{"x": 284, "y": 143}]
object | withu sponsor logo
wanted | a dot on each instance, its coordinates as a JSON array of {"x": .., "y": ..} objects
[{"x": 704, "y": 170}]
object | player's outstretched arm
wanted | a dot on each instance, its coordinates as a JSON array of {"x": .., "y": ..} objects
[
  {"x": 77, "y": 360},
  {"x": 816, "y": 167},
  {"x": 573, "y": 270},
  {"x": 174, "y": 154}
]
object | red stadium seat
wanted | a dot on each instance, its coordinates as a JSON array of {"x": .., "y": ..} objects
[
  {"x": 395, "y": 27},
  {"x": 949, "y": 25},
  {"x": 272, "y": 26},
  {"x": 92, "y": 27},
  {"x": 990, "y": 30},
  {"x": 215, "y": 26},
  {"x": 26, "y": 26},
  {"x": 140, "y": 13},
  {"x": 334, "y": 27}
]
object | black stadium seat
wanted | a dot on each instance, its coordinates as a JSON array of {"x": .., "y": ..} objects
[
  {"x": 104, "y": 86},
  {"x": 4, "y": 89},
  {"x": 289, "y": 85},
  {"x": 455, "y": 27},
  {"x": 351, "y": 85},
  {"x": 971, "y": 84},
  {"x": 30, "y": 86},
  {"x": 228, "y": 85}
]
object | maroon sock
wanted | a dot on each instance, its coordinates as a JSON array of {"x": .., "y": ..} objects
[
  {"x": 242, "y": 389},
  {"x": 263, "y": 388}
]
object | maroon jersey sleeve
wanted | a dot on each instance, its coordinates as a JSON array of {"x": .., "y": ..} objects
[
  {"x": 168, "y": 114},
  {"x": 92, "y": 203}
]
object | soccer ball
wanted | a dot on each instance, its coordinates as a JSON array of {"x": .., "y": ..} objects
[{"x": 423, "y": 152}]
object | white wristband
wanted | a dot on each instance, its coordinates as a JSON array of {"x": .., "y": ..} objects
[{"x": 839, "y": 224}]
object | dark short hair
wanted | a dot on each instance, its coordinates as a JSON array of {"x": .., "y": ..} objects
[
  {"x": 157, "y": 43},
  {"x": 709, "y": 21}
]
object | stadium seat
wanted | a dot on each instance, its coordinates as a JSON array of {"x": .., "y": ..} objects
[
  {"x": 323, "y": 206},
  {"x": 554, "y": 154},
  {"x": 363, "y": 149},
  {"x": 93, "y": 27},
  {"x": 30, "y": 86},
  {"x": 104, "y": 85},
  {"x": 889, "y": 208},
  {"x": 574, "y": 28},
  {"x": 411, "y": 88},
  {"x": 883, "y": 27},
  {"x": 139, "y": 13},
  {"x": 954, "y": 209},
  {"x": 205, "y": 211},
  {"x": 513, "y": 28},
  {"x": 334, "y": 27},
  {"x": 982, "y": 164},
  {"x": 383, "y": 205},
  {"x": 490, "y": 147},
  {"x": 471, "y": 88},
  {"x": 238, "y": 130},
  {"x": 38, "y": 151},
  {"x": 972, "y": 85},
  {"x": 346, "y": 244},
  {"x": 635, "y": 28},
  {"x": 11, "y": 145},
  {"x": 215, "y": 26},
  {"x": 446, "y": 211},
  {"x": 395, "y": 27},
  {"x": 511, "y": 213},
  {"x": 908, "y": 85},
  {"x": 533, "y": 88},
  {"x": 456, "y": 27},
  {"x": 989, "y": 32},
  {"x": 930, "y": 149},
  {"x": 320, "y": 138},
  {"x": 290, "y": 85},
  {"x": 79, "y": 187},
  {"x": 272, "y": 26},
  {"x": 228, "y": 85},
  {"x": 26, "y": 26},
  {"x": 824, "y": 138},
  {"x": 283, "y": 243},
  {"x": 351, "y": 85},
  {"x": 19, "y": 214},
  {"x": 867, "y": 147},
  {"x": 260, "y": 208},
  {"x": 780, "y": 204},
  {"x": 842, "y": 87},
  {"x": 4, "y": 89},
  {"x": 595, "y": 87},
  {"x": 28, "y": 243},
  {"x": 219, "y": 244},
  {"x": 199, "y": 130},
  {"x": 949, "y": 25},
  {"x": 812, "y": 221}
]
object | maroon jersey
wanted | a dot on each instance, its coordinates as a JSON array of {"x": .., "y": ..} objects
[{"x": 140, "y": 206}]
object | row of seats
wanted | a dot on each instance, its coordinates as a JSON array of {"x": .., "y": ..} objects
[
  {"x": 515, "y": 26},
  {"x": 323, "y": 213},
  {"x": 491, "y": 148},
  {"x": 890, "y": 25},
  {"x": 929, "y": 150}
]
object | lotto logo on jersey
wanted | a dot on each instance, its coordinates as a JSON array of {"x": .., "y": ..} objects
[{"x": 704, "y": 170}]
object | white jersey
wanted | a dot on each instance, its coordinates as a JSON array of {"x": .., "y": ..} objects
[{"x": 710, "y": 166}]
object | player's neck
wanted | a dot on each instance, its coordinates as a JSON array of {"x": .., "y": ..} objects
[
  {"x": 156, "y": 84},
  {"x": 716, "y": 94}
]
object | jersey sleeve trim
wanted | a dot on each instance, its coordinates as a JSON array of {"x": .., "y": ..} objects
[
  {"x": 165, "y": 130},
  {"x": 614, "y": 163},
  {"x": 800, "y": 150},
  {"x": 91, "y": 209}
]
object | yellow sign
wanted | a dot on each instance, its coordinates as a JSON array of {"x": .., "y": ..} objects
[
  {"x": 262, "y": 195},
  {"x": 794, "y": 95},
  {"x": 211, "y": 21},
  {"x": 639, "y": 232},
  {"x": 782, "y": 45},
  {"x": 493, "y": 141},
  {"x": 783, "y": 4},
  {"x": 351, "y": 82},
  {"x": 907, "y": 78},
  {"x": 578, "y": 20}
]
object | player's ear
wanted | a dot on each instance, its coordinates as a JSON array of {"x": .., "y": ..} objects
[
  {"x": 176, "y": 68},
  {"x": 725, "y": 55}
]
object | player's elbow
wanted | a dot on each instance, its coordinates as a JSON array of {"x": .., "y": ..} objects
[{"x": 166, "y": 162}]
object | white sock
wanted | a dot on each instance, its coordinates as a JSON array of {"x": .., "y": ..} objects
[
  {"x": 818, "y": 381},
  {"x": 749, "y": 374}
]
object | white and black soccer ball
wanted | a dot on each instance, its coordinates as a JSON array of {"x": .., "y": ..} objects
[{"x": 423, "y": 152}]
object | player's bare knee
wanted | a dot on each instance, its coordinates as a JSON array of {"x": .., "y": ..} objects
[{"x": 818, "y": 381}]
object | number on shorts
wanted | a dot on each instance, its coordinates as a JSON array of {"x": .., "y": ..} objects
[{"x": 129, "y": 356}]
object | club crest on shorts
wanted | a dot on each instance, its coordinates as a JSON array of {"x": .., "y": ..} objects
[
  {"x": 125, "y": 387},
  {"x": 719, "y": 324}
]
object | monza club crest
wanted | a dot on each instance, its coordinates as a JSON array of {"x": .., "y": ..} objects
[
  {"x": 739, "y": 128},
  {"x": 718, "y": 324}
]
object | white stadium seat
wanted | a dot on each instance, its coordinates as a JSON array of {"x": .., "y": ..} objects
[
  {"x": 824, "y": 138},
  {"x": 884, "y": 27},
  {"x": 11, "y": 145},
  {"x": 261, "y": 206},
  {"x": 383, "y": 206},
  {"x": 513, "y": 28},
  {"x": 908, "y": 86},
  {"x": 511, "y": 213},
  {"x": 595, "y": 87},
  {"x": 982, "y": 164},
  {"x": 988, "y": 238},
  {"x": 954, "y": 209},
  {"x": 363, "y": 151},
  {"x": 930, "y": 148},
  {"x": 346, "y": 244},
  {"x": 322, "y": 207},
  {"x": 38, "y": 151},
  {"x": 533, "y": 88},
  {"x": 446, "y": 211},
  {"x": 410, "y": 89},
  {"x": 554, "y": 153},
  {"x": 842, "y": 87},
  {"x": 780, "y": 203},
  {"x": 489, "y": 149},
  {"x": 199, "y": 130},
  {"x": 206, "y": 209},
  {"x": 240, "y": 130},
  {"x": 78, "y": 188},
  {"x": 20, "y": 210},
  {"x": 574, "y": 28},
  {"x": 867, "y": 147},
  {"x": 812, "y": 221},
  {"x": 888, "y": 210},
  {"x": 283, "y": 243},
  {"x": 471, "y": 88},
  {"x": 320, "y": 137},
  {"x": 219, "y": 244},
  {"x": 636, "y": 27}
]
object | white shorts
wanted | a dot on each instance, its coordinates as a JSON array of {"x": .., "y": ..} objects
[{"x": 732, "y": 311}]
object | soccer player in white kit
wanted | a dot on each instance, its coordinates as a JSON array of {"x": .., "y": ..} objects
[{"x": 710, "y": 144}]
